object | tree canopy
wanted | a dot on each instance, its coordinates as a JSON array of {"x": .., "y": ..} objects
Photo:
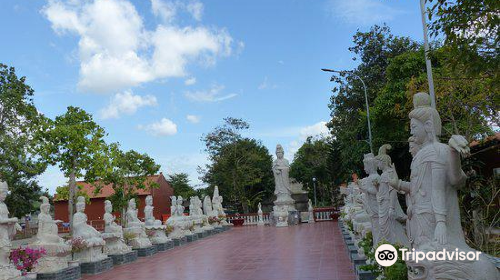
[{"x": 181, "y": 186}]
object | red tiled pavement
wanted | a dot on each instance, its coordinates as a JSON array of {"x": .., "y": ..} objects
[{"x": 304, "y": 252}]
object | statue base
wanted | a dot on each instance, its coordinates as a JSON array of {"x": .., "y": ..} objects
[
  {"x": 146, "y": 252},
  {"x": 180, "y": 241},
  {"x": 55, "y": 259},
  {"x": 124, "y": 258},
  {"x": 115, "y": 245},
  {"x": 96, "y": 267},
  {"x": 140, "y": 240},
  {"x": 9, "y": 272},
  {"x": 68, "y": 273},
  {"x": 159, "y": 236},
  {"x": 90, "y": 255},
  {"x": 191, "y": 237},
  {"x": 160, "y": 247}
]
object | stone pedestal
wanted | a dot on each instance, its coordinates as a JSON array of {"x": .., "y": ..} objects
[
  {"x": 140, "y": 240},
  {"x": 160, "y": 247},
  {"x": 146, "y": 252},
  {"x": 115, "y": 245},
  {"x": 191, "y": 237},
  {"x": 124, "y": 258},
  {"x": 158, "y": 236},
  {"x": 69, "y": 273},
  {"x": 55, "y": 259},
  {"x": 90, "y": 254},
  {"x": 96, "y": 267}
]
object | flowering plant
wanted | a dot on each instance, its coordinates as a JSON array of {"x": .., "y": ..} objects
[
  {"x": 77, "y": 244},
  {"x": 150, "y": 233},
  {"x": 128, "y": 236},
  {"x": 213, "y": 220},
  {"x": 25, "y": 259},
  {"x": 169, "y": 229}
]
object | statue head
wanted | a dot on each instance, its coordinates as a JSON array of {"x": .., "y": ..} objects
[
  {"x": 425, "y": 123},
  {"x": 45, "y": 206},
  {"x": 149, "y": 200},
  {"x": 383, "y": 159},
  {"x": 4, "y": 190},
  {"x": 108, "y": 207},
  {"x": 369, "y": 163},
  {"x": 131, "y": 204},
  {"x": 280, "y": 153},
  {"x": 180, "y": 200},
  {"x": 80, "y": 204},
  {"x": 216, "y": 191}
]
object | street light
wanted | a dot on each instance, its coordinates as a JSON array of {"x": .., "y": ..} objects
[
  {"x": 427, "y": 60},
  {"x": 366, "y": 101},
  {"x": 314, "y": 184}
]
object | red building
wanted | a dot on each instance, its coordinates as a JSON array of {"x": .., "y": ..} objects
[{"x": 95, "y": 210}]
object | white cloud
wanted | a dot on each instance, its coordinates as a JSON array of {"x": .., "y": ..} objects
[
  {"x": 164, "y": 127},
  {"x": 195, "y": 8},
  {"x": 362, "y": 12},
  {"x": 116, "y": 51},
  {"x": 193, "y": 118},
  {"x": 211, "y": 95},
  {"x": 185, "y": 163},
  {"x": 191, "y": 81},
  {"x": 318, "y": 129},
  {"x": 266, "y": 85},
  {"x": 126, "y": 103}
]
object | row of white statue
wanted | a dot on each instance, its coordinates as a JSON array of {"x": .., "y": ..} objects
[
  {"x": 111, "y": 242},
  {"x": 432, "y": 219}
]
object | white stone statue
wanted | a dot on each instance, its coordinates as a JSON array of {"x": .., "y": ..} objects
[
  {"x": 177, "y": 220},
  {"x": 194, "y": 214},
  {"x": 207, "y": 207},
  {"x": 260, "y": 215},
  {"x": 135, "y": 228},
  {"x": 217, "y": 202},
  {"x": 284, "y": 202},
  {"x": 391, "y": 216},
  {"x": 8, "y": 228},
  {"x": 57, "y": 252},
  {"x": 369, "y": 185},
  {"x": 434, "y": 216},
  {"x": 310, "y": 210},
  {"x": 92, "y": 237},
  {"x": 173, "y": 206},
  {"x": 152, "y": 225},
  {"x": 113, "y": 233}
]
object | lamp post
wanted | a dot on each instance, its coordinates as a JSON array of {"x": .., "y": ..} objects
[
  {"x": 427, "y": 60},
  {"x": 366, "y": 101},
  {"x": 314, "y": 184}
]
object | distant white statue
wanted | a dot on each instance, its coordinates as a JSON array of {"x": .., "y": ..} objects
[
  {"x": 284, "y": 202},
  {"x": 173, "y": 205},
  {"x": 80, "y": 227},
  {"x": 310, "y": 210},
  {"x": 135, "y": 228},
  {"x": 155, "y": 226},
  {"x": 177, "y": 220},
  {"x": 217, "y": 202},
  {"x": 8, "y": 228},
  {"x": 434, "y": 214},
  {"x": 260, "y": 215},
  {"x": 207, "y": 206},
  {"x": 391, "y": 216},
  {"x": 93, "y": 239},
  {"x": 56, "y": 250},
  {"x": 113, "y": 233},
  {"x": 369, "y": 185}
]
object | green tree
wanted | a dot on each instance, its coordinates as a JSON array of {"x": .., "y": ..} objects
[
  {"x": 71, "y": 141},
  {"x": 240, "y": 167},
  {"x": 126, "y": 172},
  {"x": 19, "y": 163},
  {"x": 374, "y": 49},
  {"x": 62, "y": 193},
  {"x": 471, "y": 29},
  {"x": 311, "y": 161},
  {"x": 181, "y": 186}
]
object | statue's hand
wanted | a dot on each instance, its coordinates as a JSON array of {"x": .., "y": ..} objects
[
  {"x": 459, "y": 144},
  {"x": 440, "y": 233}
]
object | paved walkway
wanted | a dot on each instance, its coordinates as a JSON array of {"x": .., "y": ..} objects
[{"x": 304, "y": 252}]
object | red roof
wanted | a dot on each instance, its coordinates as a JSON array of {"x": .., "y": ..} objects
[
  {"x": 107, "y": 190},
  {"x": 486, "y": 140}
]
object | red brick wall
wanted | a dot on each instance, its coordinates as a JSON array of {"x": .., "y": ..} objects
[{"x": 95, "y": 210}]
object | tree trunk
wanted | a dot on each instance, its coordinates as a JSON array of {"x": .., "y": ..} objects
[{"x": 71, "y": 198}]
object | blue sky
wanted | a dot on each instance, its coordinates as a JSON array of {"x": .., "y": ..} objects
[{"x": 157, "y": 74}]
